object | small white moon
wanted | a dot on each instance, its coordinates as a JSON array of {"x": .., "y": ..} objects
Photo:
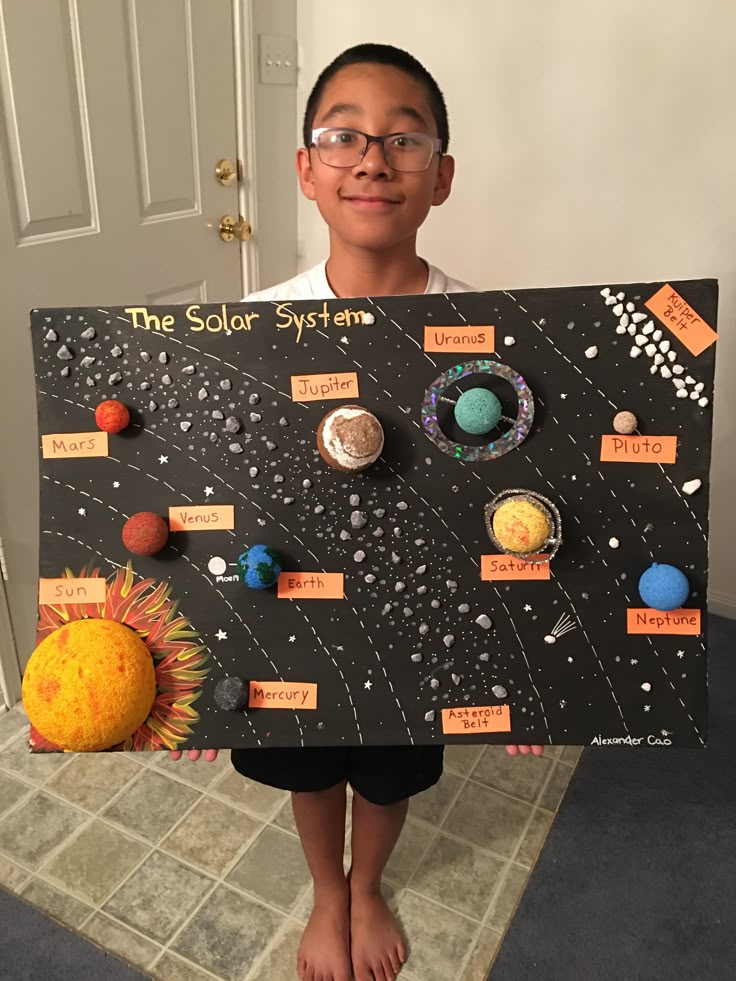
[
  {"x": 614, "y": 542},
  {"x": 550, "y": 639},
  {"x": 216, "y": 565}
]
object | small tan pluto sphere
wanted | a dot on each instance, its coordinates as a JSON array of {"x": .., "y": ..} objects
[
  {"x": 89, "y": 685},
  {"x": 625, "y": 423}
]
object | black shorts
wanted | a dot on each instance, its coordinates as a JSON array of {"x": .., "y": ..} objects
[{"x": 381, "y": 774}]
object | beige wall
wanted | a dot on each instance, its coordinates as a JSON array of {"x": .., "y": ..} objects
[{"x": 595, "y": 142}]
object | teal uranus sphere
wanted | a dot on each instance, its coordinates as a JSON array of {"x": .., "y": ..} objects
[{"x": 477, "y": 411}]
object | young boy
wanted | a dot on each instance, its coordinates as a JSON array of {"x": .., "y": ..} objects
[{"x": 375, "y": 161}]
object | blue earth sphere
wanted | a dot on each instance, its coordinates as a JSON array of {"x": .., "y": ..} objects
[
  {"x": 664, "y": 587},
  {"x": 477, "y": 411},
  {"x": 259, "y": 566}
]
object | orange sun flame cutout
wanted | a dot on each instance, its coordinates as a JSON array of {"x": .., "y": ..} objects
[{"x": 179, "y": 660}]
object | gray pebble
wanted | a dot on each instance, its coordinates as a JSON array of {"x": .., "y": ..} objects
[
  {"x": 235, "y": 448},
  {"x": 358, "y": 519},
  {"x": 203, "y": 394},
  {"x": 378, "y": 533},
  {"x": 255, "y": 417},
  {"x": 232, "y": 424},
  {"x": 319, "y": 509},
  {"x": 419, "y": 542},
  {"x": 421, "y": 569},
  {"x": 283, "y": 421},
  {"x": 145, "y": 386},
  {"x": 400, "y": 587},
  {"x": 145, "y": 356},
  {"x": 51, "y": 335},
  {"x": 89, "y": 334},
  {"x": 402, "y": 505},
  {"x": 398, "y": 532},
  {"x": 254, "y": 398},
  {"x": 423, "y": 629},
  {"x": 278, "y": 478},
  {"x": 344, "y": 535},
  {"x": 408, "y": 612},
  {"x": 253, "y": 471},
  {"x": 66, "y": 371},
  {"x": 485, "y": 656},
  {"x": 435, "y": 604},
  {"x": 464, "y": 608},
  {"x": 434, "y": 683},
  {"x": 448, "y": 640},
  {"x": 370, "y": 578},
  {"x": 306, "y": 483},
  {"x": 231, "y": 694},
  {"x": 451, "y": 584},
  {"x": 91, "y": 382},
  {"x": 288, "y": 500},
  {"x": 64, "y": 353},
  {"x": 173, "y": 403},
  {"x": 359, "y": 556},
  {"x": 152, "y": 406},
  {"x": 421, "y": 590},
  {"x": 185, "y": 426},
  {"x": 214, "y": 438},
  {"x": 166, "y": 380},
  {"x": 163, "y": 357},
  {"x": 270, "y": 445},
  {"x": 484, "y": 621},
  {"x": 115, "y": 378},
  {"x": 499, "y": 691},
  {"x": 226, "y": 384},
  {"x": 87, "y": 361},
  {"x": 416, "y": 658},
  {"x": 354, "y": 500},
  {"x": 380, "y": 512},
  {"x": 218, "y": 414},
  {"x": 429, "y": 716},
  {"x": 116, "y": 351},
  {"x": 395, "y": 558},
  {"x": 456, "y": 679},
  {"x": 386, "y": 609},
  {"x": 188, "y": 369}
]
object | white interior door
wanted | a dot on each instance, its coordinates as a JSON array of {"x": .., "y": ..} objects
[{"x": 113, "y": 116}]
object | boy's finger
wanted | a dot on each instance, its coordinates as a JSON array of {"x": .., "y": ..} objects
[
  {"x": 524, "y": 750},
  {"x": 512, "y": 750},
  {"x": 538, "y": 750},
  {"x": 210, "y": 755},
  {"x": 194, "y": 754},
  {"x": 175, "y": 754}
]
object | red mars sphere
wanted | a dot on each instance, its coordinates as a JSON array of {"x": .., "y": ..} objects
[
  {"x": 112, "y": 416},
  {"x": 145, "y": 533}
]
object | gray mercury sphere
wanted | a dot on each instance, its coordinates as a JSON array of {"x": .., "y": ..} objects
[{"x": 231, "y": 694}]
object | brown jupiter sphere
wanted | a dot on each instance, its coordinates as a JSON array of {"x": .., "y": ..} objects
[{"x": 350, "y": 438}]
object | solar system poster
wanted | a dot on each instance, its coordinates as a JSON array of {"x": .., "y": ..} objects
[{"x": 463, "y": 587}]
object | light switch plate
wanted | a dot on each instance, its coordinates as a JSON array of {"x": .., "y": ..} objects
[{"x": 277, "y": 59}]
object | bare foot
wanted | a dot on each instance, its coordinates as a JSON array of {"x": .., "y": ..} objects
[
  {"x": 376, "y": 945},
  {"x": 324, "y": 952}
]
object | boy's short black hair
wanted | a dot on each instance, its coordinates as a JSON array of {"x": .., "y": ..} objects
[{"x": 380, "y": 54}]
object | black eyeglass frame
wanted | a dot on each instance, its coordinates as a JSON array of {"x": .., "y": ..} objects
[{"x": 316, "y": 133}]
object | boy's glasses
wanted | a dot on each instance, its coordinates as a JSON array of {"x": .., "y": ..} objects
[{"x": 408, "y": 152}]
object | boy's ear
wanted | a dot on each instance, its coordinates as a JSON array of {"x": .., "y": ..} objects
[
  {"x": 304, "y": 171},
  {"x": 443, "y": 182}
]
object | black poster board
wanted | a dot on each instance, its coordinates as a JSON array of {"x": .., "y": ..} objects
[{"x": 213, "y": 423}]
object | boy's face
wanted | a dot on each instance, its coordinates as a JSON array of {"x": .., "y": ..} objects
[{"x": 372, "y": 206}]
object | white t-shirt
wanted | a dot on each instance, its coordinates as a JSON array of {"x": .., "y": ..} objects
[{"x": 313, "y": 285}]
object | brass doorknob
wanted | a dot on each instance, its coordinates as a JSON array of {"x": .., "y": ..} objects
[
  {"x": 230, "y": 229},
  {"x": 225, "y": 172}
]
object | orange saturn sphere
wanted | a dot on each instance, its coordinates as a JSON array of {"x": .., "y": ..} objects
[{"x": 89, "y": 685}]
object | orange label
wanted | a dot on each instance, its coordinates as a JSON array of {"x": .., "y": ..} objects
[
  {"x": 459, "y": 339},
  {"x": 312, "y": 388},
  {"x": 679, "y": 317},
  {"x": 648, "y": 621},
  {"x": 476, "y": 718},
  {"x": 202, "y": 517},
  {"x": 59, "y": 592},
  {"x": 282, "y": 695},
  {"x": 638, "y": 449},
  {"x": 311, "y": 585},
  {"x": 74, "y": 444},
  {"x": 497, "y": 567}
]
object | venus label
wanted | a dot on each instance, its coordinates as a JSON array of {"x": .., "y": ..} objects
[
  {"x": 213, "y": 517},
  {"x": 459, "y": 340}
]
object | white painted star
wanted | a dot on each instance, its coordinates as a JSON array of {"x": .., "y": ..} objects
[
  {"x": 261, "y": 522},
  {"x": 528, "y": 608},
  {"x": 163, "y": 459},
  {"x": 116, "y": 483},
  {"x": 344, "y": 340},
  {"x": 665, "y": 732},
  {"x": 647, "y": 707},
  {"x": 339, "y": 647},
  {"x": 368, "y": 684},
  {"x": 563, "y": 703},
  {"x": 571, "y": 659},
  {"x": 573, "y": 477},
  {"x": 563, "y": 395},
  {"x": 208, "y": 491},
  {"x": 680, "y": 653},
  {"x": 634, "y": 660},
  {"x": 82, "y": 512},
  {"x": 292, "y": 639},
  {"x": 221, "y": 635}
]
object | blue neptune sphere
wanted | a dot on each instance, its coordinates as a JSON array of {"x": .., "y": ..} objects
[
  {"x": 664, "y": 587},
  {"x": 259, "y": 566},
  {"x": 477, "y": 411}
]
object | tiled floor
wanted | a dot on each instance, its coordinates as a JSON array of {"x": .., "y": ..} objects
[{"x": 190, "y": 872}]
